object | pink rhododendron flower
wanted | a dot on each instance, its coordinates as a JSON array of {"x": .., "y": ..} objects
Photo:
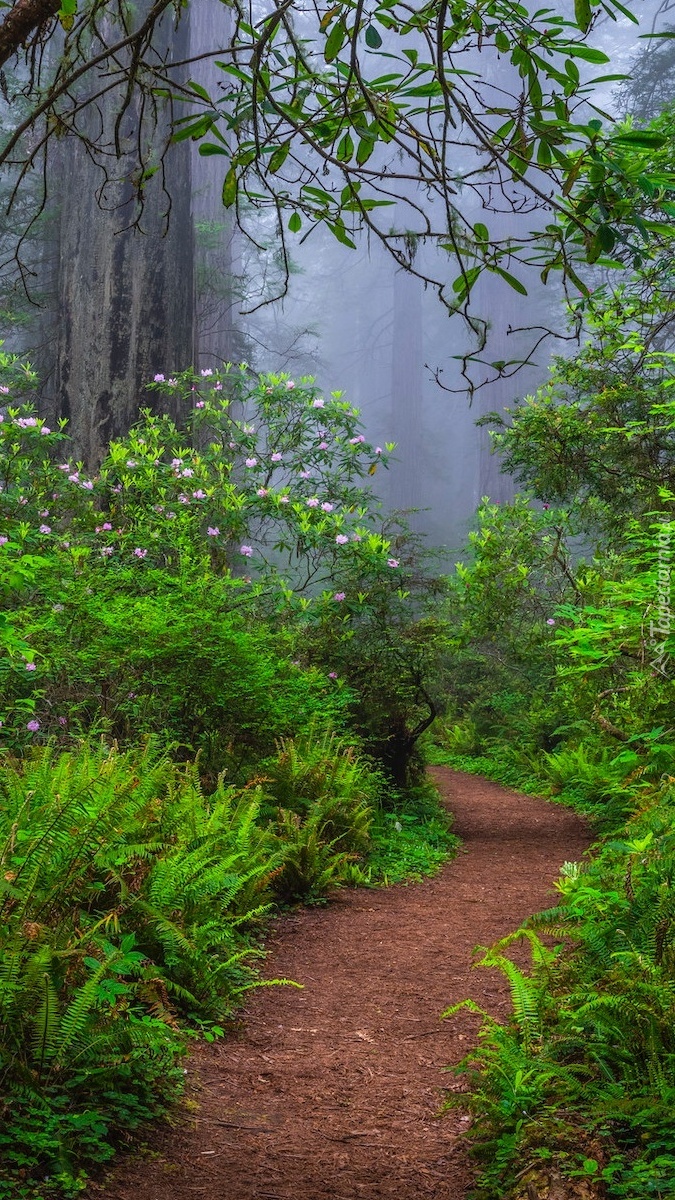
[
  {"x": 187, "y": 473},
  {"x": 75, "y": 477},
  {"x": 206, "y": 372},
  {"x": 4, "y": 390},
  {"x": 45, "y": 429},
  {"x": 213, "y": 531},
  {"x": 355, "y": 441},
  {"x": 3, "y": 540},
  {"x": 283, "y": 499},
  {"x": 277, "y": 457},
  {"x": 340, "y": 596},
  {"x": 342, "y": 539},
  {"x": 33, "y": 726},
  {"x": 290, "y": 385},
  {"x": 45, "y": 529},
  {"x": 318, "y": 403},
  {"x": 332, "y": 674},
  {"x": 323, "y": 445},
  {"x": 247, "y": 551},
  {"x": 87, "y": 485},
  {"x": 63, "y": 720},
  {"x": 305, "y": 474},
  {"x": 31, "y": 667},
  {"x": 138, "y": 553},
  {"x": 170, "y": 516},
  {"x": 218, "y": 387},
  {"x": 176, "y": 463},
  {"x": 106, "y": 525},
  {"x": 106, "y": 551},
  {"x": 550, "y": 621},
  {"x": 262, "y": 492},
  {"x": 159, "y": 379},
  {"x": 392, "y": 562},
  {"x": 378, "y": 449},
  {"x": 251, "y": 462},
  {"x": 199, "y": 494},
  {"x": 200, "y": 404},
  {"x": 172, "y": 382},
  {"x": 131, "y": 463},
  {"x": 327, "y": 507},
  {"x": 313, "y": 502}
]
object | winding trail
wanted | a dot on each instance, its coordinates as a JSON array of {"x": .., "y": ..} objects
[{"x": 332, "y": 1092}]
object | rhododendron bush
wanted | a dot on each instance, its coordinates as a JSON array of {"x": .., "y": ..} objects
[{"x": 217, "y": 584}]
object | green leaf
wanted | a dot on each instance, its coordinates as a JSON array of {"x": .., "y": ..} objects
[
  {"x": 295, "y": 223},
  {"x": 582, "y": 14},
  {"x": 576, "y": 50},
  {"x": 198, "y": 89},
  {"x": 345, "y": 150},
  {"x": 335, "y": 41},
  {"x": 207, "y": 148},
  {"x": 279, "y": 158},
  {"x": 510, "y": 279},
  {"x": 641, "y": 138},
  {"x": 544, "y": 156},
  {"x": 338, "y": 230},
  {"x": 373, "y": 38},
  {"x": 364, "y": 150},
  {"x": 230, "y": 188}
]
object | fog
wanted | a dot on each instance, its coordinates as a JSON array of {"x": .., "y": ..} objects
[{"x": 113, "y": 301}]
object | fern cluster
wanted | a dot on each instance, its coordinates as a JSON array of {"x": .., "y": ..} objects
[
  {"x": 584, "y": 1074},
  {"x": 131, "y": 907}
]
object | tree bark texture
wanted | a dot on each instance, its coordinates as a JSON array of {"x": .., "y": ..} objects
[
  {"x": 124, "y": 292},
  {"x": 23, "y": 19}
]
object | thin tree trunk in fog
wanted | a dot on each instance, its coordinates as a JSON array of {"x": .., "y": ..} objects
[
  {"x": 218, "y": 338},
  {"x": 407, "y": 390}
]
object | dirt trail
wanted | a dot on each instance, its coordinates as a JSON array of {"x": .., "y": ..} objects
[{"x": 332, "y": 1092}]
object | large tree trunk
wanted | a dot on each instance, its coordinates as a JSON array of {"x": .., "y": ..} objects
[{"x": 124, "y": 289}]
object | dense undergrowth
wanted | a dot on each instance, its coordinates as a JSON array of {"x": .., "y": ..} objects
[
  {"x": 187, "y": 748},
  {"x": 219, "y": 661},
  {"x": 563, "y": 686}
]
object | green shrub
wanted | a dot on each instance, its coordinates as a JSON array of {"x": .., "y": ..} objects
[
  {"x": 583, "y": 1075},
  {"x": 319, "y": 794},
  {"x": 123, "y": 896}
]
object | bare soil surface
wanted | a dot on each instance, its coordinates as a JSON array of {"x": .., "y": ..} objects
[{"x": 333, "y": 1092}]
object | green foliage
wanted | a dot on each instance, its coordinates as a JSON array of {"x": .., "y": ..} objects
[
  {"x": 130, "y": 904},
  {"x": 127, "y": 606},
  {"x": 587, "y": 1063},
  {"x": 359, "y": 127},
  {"x": 322, "y": 792},
  {"x": 124, "y": 892},
  {"x": 411, "y": 836},
  {"x": 561, "y": 640}
]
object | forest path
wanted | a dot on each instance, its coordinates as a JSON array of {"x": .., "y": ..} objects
[{"x": 332, "y": 1092}]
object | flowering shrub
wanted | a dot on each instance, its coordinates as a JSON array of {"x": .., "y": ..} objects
[{"x": 204, "y": 583}]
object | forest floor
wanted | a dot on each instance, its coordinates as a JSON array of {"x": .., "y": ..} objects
[{"x": 333, "y": 1092}]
